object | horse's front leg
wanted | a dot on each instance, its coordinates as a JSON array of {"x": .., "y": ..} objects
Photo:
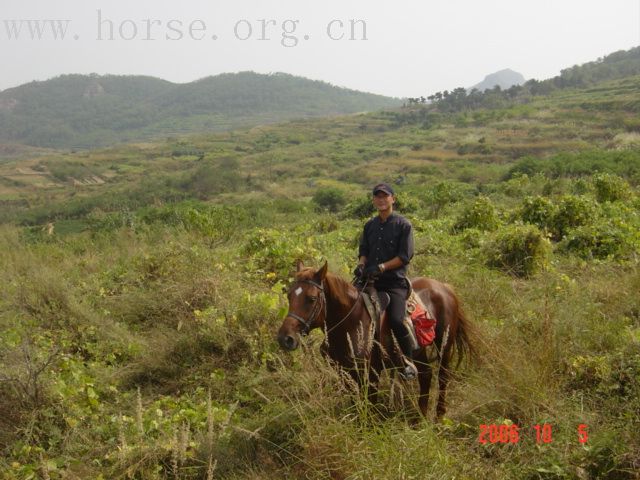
[
  {"x": 372, "y": 385},
  {"x": 364, "y": 379},
  {"x": 424, "y": 379}
]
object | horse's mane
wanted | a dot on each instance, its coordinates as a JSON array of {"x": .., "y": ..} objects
[{"x": 336, "y": 287}]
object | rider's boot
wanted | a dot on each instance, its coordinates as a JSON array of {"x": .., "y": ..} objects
[{"x": 407, "y": 345}]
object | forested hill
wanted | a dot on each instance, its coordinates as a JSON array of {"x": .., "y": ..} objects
[
  {"x": 615, "y": 66},
  {"x": 90, "y": 110}
]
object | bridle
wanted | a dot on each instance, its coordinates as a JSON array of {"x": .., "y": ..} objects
[{"x": 317, "y": 308}]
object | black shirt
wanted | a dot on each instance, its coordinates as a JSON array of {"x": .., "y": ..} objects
[{"x": 382, "y": 241}]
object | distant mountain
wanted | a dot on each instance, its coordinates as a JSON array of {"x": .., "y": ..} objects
[
  {"x": 504, "y": 78},
  {"x": 91, "y": 110}
]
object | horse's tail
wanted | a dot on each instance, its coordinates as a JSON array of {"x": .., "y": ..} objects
[{"x": 465, "y": 333}]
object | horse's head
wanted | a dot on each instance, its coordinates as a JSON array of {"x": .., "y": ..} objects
[{"x": 307, "y": 305}]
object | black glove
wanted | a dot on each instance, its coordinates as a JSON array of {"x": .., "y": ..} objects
[
  {"x": 359, "y": 271},
  {"x": 372, "y": 271}
]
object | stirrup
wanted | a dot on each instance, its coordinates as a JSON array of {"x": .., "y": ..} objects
[{"x": 409, "y": 371}]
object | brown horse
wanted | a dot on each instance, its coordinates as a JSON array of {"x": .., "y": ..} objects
[{"x": 318, "y": 299}]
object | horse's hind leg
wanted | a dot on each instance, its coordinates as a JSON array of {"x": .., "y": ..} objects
[{"x": 443, "y": 380}]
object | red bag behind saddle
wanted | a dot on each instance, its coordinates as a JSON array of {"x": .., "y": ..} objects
[{"x": 424, "y": 326}]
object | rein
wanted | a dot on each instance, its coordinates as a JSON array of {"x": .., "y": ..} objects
[{"x": 347, "y": 315}]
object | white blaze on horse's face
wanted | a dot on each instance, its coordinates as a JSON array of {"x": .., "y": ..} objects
[{"x": 298, "y": 291}]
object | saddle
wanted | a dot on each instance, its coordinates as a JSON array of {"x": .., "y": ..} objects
[{"x": 419, "y": 319}]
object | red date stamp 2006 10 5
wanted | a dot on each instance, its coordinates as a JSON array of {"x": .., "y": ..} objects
[{"x": 512, "y": 433}]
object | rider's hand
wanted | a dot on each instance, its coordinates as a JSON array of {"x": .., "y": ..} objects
[
  {"x": 372, "y": 271},
  {"x": 359, "y": 271}
]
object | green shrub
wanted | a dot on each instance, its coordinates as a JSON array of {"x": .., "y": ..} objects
[
  {"x": 600, "y": 240},
  {"x": 580, "y": 187},
  {"x": 613, "y": 376},
  {"x": 326, "y": 224},
  {"x": 471, "y": 238},
  {"x": 481, "y": 214},
  {"x": 275, "y": 252},
  {"x": 361, "y": 208},
  {"x": 516, "y": 186},
  {"x": 570, "y": 164},
  {"x": 443, "y": 194},
  {"x": 329, "y": 198},
  {"x": 610, "y": 188},
  {"x": 99, "y": 220},
  {"x": 212, "y": 221},
  {"x": 538, "y": 211},
  {"x": 208, "y": 180},
  {"x": 521, "y": 250},
  {"x": 573, "y": 211},
  {"x": 406, "y": 203}
]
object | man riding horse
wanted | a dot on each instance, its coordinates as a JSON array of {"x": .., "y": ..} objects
[{"x": 386, "y": 248}]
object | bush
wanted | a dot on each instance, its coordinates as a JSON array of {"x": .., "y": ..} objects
[
  {"x": 538, "y": 211},
  {"x": 361, "y": 208},
  {"x": 610, "y": 188},
  {"x": 581, "y": 187},
  {"x": 443, "y": 194},
  {"x": 471, "y": 238},
  {"x": 208, "y": 180},
  {"x": 215, "y": 222},
  {"x": 568, "y": 164},
  {"x": 521, "y": 250},
  {"x": 613, "y": 376},
  {"x": 405, "y": 203},
  {"x": 573, "y": 211},
  {"x": 329, "y": 198},
  {"x": 481, "y": 214},
  {"x": 601, "y": 240},
  {"x": 275, "y": 251}
]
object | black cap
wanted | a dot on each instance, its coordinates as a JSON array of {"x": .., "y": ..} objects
[{"x": 383, "y": 187}]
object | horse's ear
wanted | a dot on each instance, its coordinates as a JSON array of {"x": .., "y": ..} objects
[
  {"x": 320, "y": 274},
  {"x": 299, "y": 265}
]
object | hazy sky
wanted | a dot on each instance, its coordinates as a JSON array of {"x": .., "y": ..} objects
[{"x": 410, "y": 48}]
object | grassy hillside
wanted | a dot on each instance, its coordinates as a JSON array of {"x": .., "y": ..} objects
[
  {"x": 137, "y": 335},
  {"x": 414, "y": 146},
  {"x": 80, "y": 111}
]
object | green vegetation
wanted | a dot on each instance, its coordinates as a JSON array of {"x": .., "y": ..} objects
[
  {"x": 330, "y": 198},
  {"x": 83, "y": 111},
  {"x": 519, "y": 250},
  {"x": 481, "y": 215},
  {"x": 621, "y": 64},
  {"x": 137, "y": 329}
]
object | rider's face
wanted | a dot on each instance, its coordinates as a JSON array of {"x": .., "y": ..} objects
[{"x": 383, "y": 201}]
